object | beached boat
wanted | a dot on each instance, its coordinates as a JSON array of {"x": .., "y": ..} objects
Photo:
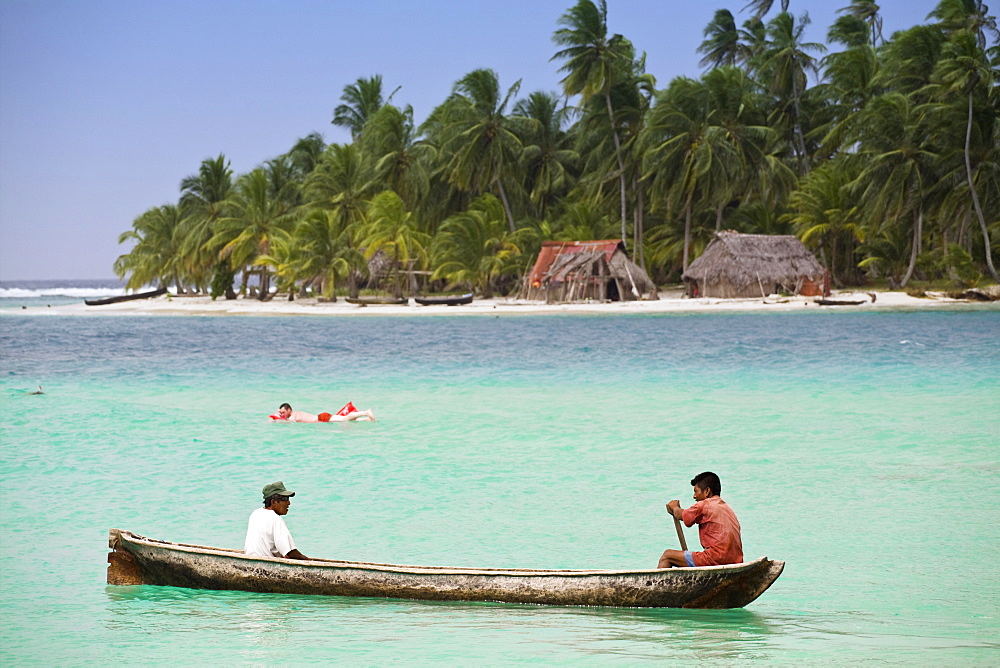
[
  {"x": 137, "y": 560},
  {"x": 449, "y": 300},
  {"x": 367, "y": 301},
  {"x": 125, "y": 298},
  {"x": 841, "y": 302}
]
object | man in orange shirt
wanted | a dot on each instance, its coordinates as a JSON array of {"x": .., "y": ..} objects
[{"x": 718, "y": 528}]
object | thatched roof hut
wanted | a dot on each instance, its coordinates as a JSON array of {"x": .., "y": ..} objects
[
  {"x": 738, "y": 265},
  {"x": 568, "y": 271}
]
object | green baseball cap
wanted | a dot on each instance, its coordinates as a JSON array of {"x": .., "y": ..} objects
[{"x": 276, "y": 488}]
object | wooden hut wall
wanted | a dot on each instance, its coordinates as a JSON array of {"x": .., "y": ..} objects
[
  {"x": 581, "y": 270},
  {"x": 577, "y": 276}
]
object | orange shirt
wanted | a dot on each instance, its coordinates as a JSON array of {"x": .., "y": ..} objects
[{"x": 718, "y": 531}]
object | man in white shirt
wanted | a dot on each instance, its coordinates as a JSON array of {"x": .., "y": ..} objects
[{"x": 267, "y": 535}]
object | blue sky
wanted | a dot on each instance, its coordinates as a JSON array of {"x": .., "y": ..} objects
[{"x": 105, "y": 105}]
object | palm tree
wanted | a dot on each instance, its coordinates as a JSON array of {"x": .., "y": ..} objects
[
  {"x": 361, "y": 99},
  {"x": 738, "y": 110},
  {"x": 850, "y": 31},
  {"x": 908, "y": 60},
  {"x": 204, "y": 198},
  {"x": 722, "y": 43},
  {"x": 971, "y": 15},
  {"x": 549, "y": 158},
  {"x": 254, "y": 220},
  {"x": 475, "y": 248},
  {"x": 897, "y": 157},
  {"x": 595, "y": 63},
  {"x": 342, "y": 182},
  {"x": 401, "y": 161},
  {"x": 285, "y": 185},
  {"x": 964, "y": 70},
  {"x": 306, "y": 154},
  {"x": 484, "y": 149},
  {"x": 785, "y": 63},
  {"x": 885, "y": 251},
  {"x": 581, "y": 221},
  {"x": 281, "y": 256},
  {"x": 866, "y": 11},
  {"x": 852, "y": 81},
  {"x": 825, "y": 215},
  {"x": 327, "y": 252},
  {"x": 761, "y": 7},
  {"x": 753, "y": 41},
  {"x": 688, "y": 154},
  {"x": 156, "y": 257},
  {"x": 393, "y": 230}
]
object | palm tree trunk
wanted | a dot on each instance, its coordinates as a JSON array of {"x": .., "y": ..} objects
[
  {"x": 800, "y": 143},
  {"x": 506, "y": 206},
  {"x": 834, "y": 252},
  {"x": 918, "y": 232},
  {"x": 975, "y": 195},
  {"x": 640, "y": 224},
  {"x": 265, "y": 284},
  {"x": 621, "y": 164},
  {"x": 397, "y": 289},
  {"x": 687, "y": 231}
]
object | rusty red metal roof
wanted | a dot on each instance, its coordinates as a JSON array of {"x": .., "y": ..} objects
[{"x": 553, "y": 249}]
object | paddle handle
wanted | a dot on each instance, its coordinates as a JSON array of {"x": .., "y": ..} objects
[{"x": 680, "y": 533}]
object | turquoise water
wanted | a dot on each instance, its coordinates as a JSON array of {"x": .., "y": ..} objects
[{"x": 861, "y": 448}]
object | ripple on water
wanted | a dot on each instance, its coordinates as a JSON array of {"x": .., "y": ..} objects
[{"x": 534, "y": 442}]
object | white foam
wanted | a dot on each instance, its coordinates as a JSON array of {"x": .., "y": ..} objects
[{"x": 80, "y": 293}]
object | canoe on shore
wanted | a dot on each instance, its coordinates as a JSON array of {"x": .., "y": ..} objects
[
  {"x": 841, "y": 302},
  {"x": 137, "y": 560},
  {"x": 125, "y": 298},
  {"x": 451, "y": 300},
  {"x": 367, "y": 301}
]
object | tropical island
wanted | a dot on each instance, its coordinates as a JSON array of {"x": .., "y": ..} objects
[{"x": 881, "y": 154}]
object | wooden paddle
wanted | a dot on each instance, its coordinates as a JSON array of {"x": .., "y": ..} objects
[{"x": 680, "y": 533}]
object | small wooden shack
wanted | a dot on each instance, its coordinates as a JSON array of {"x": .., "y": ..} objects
[
  {"x": 738, "y": 265},
  {"x": 567, "y": 271}
]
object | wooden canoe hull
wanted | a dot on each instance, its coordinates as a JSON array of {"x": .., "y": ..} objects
[
  {"x": 841, "y": 302},
  {"x": 456, "y": 300},
  {"x": 138, "y": 560},
  {"x": 366, "y": 301},
  {"x": 125, "y": 298}
]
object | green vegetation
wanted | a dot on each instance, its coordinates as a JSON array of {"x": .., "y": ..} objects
[{"x": 883, "y": 156}]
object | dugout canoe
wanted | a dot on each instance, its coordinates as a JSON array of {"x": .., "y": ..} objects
[
  {"x": 137, "y": 560},
  {"x": 125, "y": 298},
  {"x": 841, "y": 302},
  {"x": 450, "y": 300},
  {"x": 369, "y": 301}
]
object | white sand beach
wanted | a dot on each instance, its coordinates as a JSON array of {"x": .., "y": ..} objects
[{"x": 671, "y": 301}]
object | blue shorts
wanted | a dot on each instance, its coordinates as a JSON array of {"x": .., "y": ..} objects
[{"x": 688, "y": 558}]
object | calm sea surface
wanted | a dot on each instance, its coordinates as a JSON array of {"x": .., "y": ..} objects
[{"x": 861, "y": 448}]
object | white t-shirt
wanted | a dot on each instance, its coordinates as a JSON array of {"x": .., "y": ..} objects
[{"x": 267, "y": 535}]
